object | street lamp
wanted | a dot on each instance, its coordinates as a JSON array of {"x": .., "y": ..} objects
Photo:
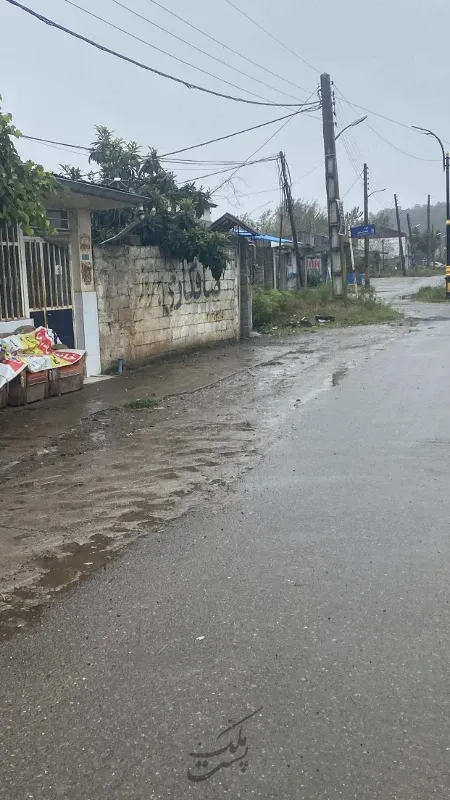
[
  {"x": 446, "y": 165},
  {"x": 351, "y": 125},
  {"x": 375, "y": 191}
]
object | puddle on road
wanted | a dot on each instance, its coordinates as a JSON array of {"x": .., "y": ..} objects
[
  {"x": 122, "y": 473},
  {"x": 77, "y": 508},
  {"x": 338, "y": 376},
  {"x": 59, "y": 572}
]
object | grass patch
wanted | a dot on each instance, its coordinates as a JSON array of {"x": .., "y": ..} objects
[
  {"x": 144, "y": 402},
  {"x": 430, "y": 294},
  {"x": 425, "y": 272},
  {"x": 284, "y": 309}
]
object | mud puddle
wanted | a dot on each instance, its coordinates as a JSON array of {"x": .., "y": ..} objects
[{"x": 120, "y": 473}]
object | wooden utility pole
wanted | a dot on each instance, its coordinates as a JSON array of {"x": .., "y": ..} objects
[
  {"x": 301, "y": 277},
  {"x": 400, "y": 242},
  {"x": 433, "y": 251},
  {"x": 428, "y": 231},
  {"x": 337, "y": 253},
  {"x": 366, "y": 222},
  {"x": 411, "y": 241}
]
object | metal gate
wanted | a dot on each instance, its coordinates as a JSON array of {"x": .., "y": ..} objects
[
  {"x": 11, "y": 287},
  {"x": 49, "y": 286}
]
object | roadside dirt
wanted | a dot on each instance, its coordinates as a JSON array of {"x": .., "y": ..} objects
[{"x": 82, "y": 479}]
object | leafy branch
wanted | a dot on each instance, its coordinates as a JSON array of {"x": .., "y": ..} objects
[
  {"x": 23, "y": 184},
  {"x": 171, "y": 212}
]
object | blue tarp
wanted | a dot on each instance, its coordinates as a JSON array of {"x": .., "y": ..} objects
[{"x": 264, "y": 236}]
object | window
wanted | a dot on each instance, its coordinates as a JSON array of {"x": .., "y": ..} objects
[{"x": 58, "y": 218}]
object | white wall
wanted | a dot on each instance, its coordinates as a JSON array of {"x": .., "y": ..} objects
[{"x": 148, "y": 304}]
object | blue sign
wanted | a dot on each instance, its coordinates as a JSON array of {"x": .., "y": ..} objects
[{"x": 362, "y": 231}]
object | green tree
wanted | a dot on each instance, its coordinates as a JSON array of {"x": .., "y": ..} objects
[
  {"x": 310, "y": 217},
  {"x": 171, "y": 212},
  {"x": 354, "y": 216},
  {"x": 23, "y": 184},
  {"x": 384, "y": 218}
]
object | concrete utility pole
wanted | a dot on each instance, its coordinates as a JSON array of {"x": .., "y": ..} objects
[
  {"x": 337, "y": 253},
  {"x": 400, "y": 243},
  {"x": 366, "y": 222},
  {"x": 301, "y": 277},
  {"x": 428, "y": 231}
]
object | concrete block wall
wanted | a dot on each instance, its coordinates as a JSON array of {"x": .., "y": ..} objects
[{"x": 149, "y": 304}]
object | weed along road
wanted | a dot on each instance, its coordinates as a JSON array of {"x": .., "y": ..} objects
[{"x": 287, "y": 636}]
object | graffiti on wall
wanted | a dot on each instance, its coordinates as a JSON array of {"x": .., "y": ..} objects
[{"x": 191, "y": 287}]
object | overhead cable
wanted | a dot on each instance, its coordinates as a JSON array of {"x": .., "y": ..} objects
[
  {"x": 268, "y": 33},
  {"x": 236, "y": 133},
  {"x": 164, "y": 157},
  {"x": 252, "y": 154},
  {"x": 160, "y": 50},
  {"x": 139, "y": 64},
  {"x": 222, "y": 44},
  {"x": 199, "y": 50},
  {"x": 246, "y": 163}
]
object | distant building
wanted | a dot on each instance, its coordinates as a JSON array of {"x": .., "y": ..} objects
[{"x": 386, "y": 244}]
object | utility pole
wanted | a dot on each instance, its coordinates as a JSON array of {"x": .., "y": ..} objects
[
  {"x": 366, "y": 222},
  {"x": 447, "y": 224},
  {"x": 411, "y": 242},
  {"x": 433, "y": 249},
  {"x": 400, "y": 243},
  {"x": 428, "y": 231},
  {"x": 301, "y": 277},
  {"x": 337, "y": 253}
]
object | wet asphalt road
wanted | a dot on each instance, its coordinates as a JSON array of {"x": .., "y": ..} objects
[{"x": 317, "y": 589}]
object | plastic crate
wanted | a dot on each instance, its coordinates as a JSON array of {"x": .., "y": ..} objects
[
  {"x": 28, "y": 387},
  {"x": 66, "y": 379}
]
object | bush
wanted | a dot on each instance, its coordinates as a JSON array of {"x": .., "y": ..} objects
[
  {"x": 265, "y": 305},
  {"x": 285, "y": 309}
]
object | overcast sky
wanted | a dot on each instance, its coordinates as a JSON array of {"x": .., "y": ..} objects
[{"x": 390, "y": 56}]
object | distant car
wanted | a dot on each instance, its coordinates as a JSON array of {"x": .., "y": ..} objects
[{"x": 438, "y": 265}]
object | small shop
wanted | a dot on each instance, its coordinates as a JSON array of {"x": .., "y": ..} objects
[{"x": 47, "y": 293}]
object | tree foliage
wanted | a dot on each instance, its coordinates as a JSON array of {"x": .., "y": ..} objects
[
  {"x": 419, "y": 243},
  {"x": 23, "y": 184},
  {"x": 310, "y": 217},
  {"x": 384, "y": 218},
  {"x": 171, "y": 212},
  {"x": 418, "y": 215}
]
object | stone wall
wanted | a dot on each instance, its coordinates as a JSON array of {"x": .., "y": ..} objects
[{"x": 148, "y": 304}]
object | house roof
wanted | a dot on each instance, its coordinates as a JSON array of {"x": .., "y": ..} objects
[
  {"x": 265, "y": 237},
  {"x": 387, "y": 233},
  {"x": 93, "y": 196},
  {"x": 228, "y": 223}
]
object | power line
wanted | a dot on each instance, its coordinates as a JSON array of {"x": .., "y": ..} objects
[
  {"x": 399, "y": 150},
  {"x": 160, "y": 50},
  {"x": 246, "y": 163},
  {"x": 199, "y": 50},
  {"x": 351, "y": 187},
  {"x": 375, "y": 113},
  {"x": 50, "y": 141},
  {"x": 139, "y": 64},
  {"x": 247, "y": 16},
  {"x": 164, "y": 157},
  {"x": 230, "y": 49},
  {"x": 298, "y": 180},
  {"x": 230, "y": 135},
  {"x": 251, "y": 155}
]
